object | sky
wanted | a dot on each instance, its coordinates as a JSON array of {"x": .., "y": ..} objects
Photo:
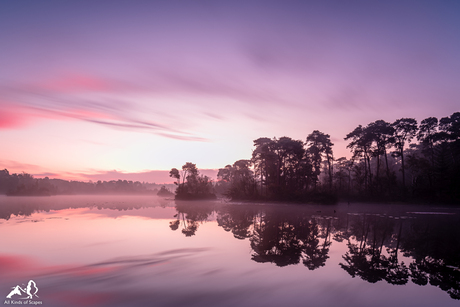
[{"x": 107, "y": 89}]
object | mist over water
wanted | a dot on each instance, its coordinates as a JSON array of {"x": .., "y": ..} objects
[{"x": 144, "y": 250}]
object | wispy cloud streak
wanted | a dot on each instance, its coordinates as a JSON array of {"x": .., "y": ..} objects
[{"x": 48, "y": 103}]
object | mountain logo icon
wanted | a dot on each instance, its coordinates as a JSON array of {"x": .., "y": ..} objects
[{"x": 26, "y": 292}]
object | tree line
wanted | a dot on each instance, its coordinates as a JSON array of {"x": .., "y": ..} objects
[
  {"x": 25, "y": 184},
  {"x": 402, "y": 160}
]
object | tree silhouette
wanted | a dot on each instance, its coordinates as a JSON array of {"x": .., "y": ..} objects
[
  {"x": 194, "y": 186},
  {"x": 382, "y": 134},
  {"x": 405, "y": 131},
  {"x": 360, "y": 145},
  {"x": 427, "y": 135},
  {"x": 320, "y": 144},
  {"x": 174, "y": 173},
  {"x": 265, "y": 163}
]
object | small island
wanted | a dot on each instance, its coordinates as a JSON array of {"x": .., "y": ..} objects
[
  {"x": 165, "y": 192},
  {"x": 191, "y": 185}
]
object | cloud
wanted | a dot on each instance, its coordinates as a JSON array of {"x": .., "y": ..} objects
[
  {"x": 14, "y": 116},
  {"x": 121, "y": 125},
  {"x": 77, "y": 83},
  {"x": 214, "y": 115},
  {"x": 132, "y": 106},
  {"x": 200, "y": 82},
  {"x": 184, "y": 138},
  {"x": 17, "y": 167},
  {"x": 10, "y": 119},
  {"x": 69, "y": 99}
]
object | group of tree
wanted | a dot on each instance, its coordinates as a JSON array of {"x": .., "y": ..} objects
[
  {"x": 390, "y": 161},
  {"x": 26, "y": 185},
  {"x": 190, "y": 184},
  {"x": 428, "y": 169},
  {"x": 283, "y": 169}
]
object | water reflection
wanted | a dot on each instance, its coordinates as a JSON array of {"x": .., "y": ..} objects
[
  {"x": 191, "y": 215},
  {"x": 284, "y": 240},
  {"x": 288, "y": 235},
  {"x": 157, "y": 249},
  {"x": 26, "y": 206},
  {"x": 276, "y": 234},
  {"x": 365, "y": 257},
  {"x": 431, "y": 243}
]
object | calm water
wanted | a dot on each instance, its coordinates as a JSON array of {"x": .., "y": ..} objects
[{"x": 144, "y": 251}]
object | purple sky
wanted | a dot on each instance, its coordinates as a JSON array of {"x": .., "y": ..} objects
[{"x": 89, "y": 87}]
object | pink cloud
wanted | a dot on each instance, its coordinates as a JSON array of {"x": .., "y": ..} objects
[
  {"x": 60, "y": 99},
  {"x": 76, "y": 83},
  {"x": 18, "y": 167},
  {"x": 9, "y": 120},
  {"x": 16, "y": 116},
  {"x": 13, "y": 116}
]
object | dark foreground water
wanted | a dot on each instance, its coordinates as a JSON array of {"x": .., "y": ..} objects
[{"x": 145, "y": 251}]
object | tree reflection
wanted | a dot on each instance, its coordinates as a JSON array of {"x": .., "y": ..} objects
[
  {"x": 397, "y": 273},
  {"x": 275, "y": 240},
  {"x": 190, "y": 215},
  {"x": 315, "y": 254},
  {"x": 238, "y": 220},
  {"x": 379, "y": 247},
  {"x": 275, "y": 236},
  {"x": 363, "y": 262},
  {"x": 286, "y": 239},
  {"x": 434, "y": 244},
  {"x": 364, "y": 258}
]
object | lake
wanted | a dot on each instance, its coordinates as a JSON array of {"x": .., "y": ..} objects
[{"x": 148, "y": 251}]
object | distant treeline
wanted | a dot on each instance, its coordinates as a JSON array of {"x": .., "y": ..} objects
[
  {"x": 384, "y": 166},
  {"x": 26, "y": 185}
]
